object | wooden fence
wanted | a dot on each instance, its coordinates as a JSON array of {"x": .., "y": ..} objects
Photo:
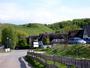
[{"x": 78, "y": 63}]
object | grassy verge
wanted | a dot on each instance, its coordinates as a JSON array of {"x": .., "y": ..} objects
[
  {"x": 37, "y": 64},
  {"x": 75, "y": 51},
  {"x": 59, "y": 65},
  {"x": 34, "y": 63}
]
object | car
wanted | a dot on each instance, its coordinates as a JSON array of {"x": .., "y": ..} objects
[
  {"x": 58, "y": 40},
  {"x": 76, "y": 40},
  {"x": 87, "y": 40}
]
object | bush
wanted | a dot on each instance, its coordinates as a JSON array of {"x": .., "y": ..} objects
[
  {"x": 46, "y": 40},
  {"x": 34, "y": 63},
  {"x": 22, "y": 43},
  {"x": 22, "y": 40}
]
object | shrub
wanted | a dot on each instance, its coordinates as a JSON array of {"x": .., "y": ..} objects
[
  {"x": 46, "y": 40},
  {"x": 22, "y": 43},
  {"x": 22, "y": 40}
]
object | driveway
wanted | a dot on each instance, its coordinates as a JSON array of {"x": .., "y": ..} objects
[{"x": 13, "y": 59}]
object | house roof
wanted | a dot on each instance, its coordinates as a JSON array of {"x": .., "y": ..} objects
[{"x": 76, "y": 33}]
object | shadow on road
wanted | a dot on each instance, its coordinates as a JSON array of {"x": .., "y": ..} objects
[{"x": 22, "y": 64}]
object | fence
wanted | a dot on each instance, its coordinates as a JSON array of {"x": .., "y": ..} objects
[
  {"x": 78, "y": 63},
  {"x": 1, "y": 48}
]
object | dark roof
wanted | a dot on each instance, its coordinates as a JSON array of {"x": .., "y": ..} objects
[{"x": 76, "y": 33}]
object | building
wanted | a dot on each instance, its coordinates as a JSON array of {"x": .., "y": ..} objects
[
  {"x": 86, "y": 31},
  {"x": 76, "y": 33}
]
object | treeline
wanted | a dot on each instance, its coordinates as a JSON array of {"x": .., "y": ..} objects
[
  {"x": 15, "y": 35},
  {"x": 69, "y": 25},
  {"x": 12, "y": 38}
]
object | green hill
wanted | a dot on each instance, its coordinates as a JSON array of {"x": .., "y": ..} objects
[
  {"x": 33, "y": 29},
  {"x": 70, "y": 24},
  {"x": 29, "y": 29}
]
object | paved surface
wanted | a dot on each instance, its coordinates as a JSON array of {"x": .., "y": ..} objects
[{"x": 13, "y": 59}]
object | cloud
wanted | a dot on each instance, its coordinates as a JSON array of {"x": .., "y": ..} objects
[
  {"x": 48, "y": 11},
  {"x": 10, "y": 11}
]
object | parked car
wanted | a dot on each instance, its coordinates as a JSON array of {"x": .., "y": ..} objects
[
  {"x": 76, "y": 40},
  {"x": 58, "y": 41},
  {"x": 87, "y": 40}
]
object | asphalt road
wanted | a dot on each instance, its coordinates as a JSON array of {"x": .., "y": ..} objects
[{"x": 13, "y": 59}]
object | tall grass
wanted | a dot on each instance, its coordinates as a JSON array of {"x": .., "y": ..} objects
[{"x": 78, "y": 51}]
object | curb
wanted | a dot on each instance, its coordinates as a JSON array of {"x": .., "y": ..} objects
[{"x": 26, "y": 63}]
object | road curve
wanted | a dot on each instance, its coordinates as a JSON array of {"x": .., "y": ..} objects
[{"x": 13, "y": 59}]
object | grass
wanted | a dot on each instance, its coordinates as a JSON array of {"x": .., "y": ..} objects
[
  {"x": 37, "y": 64},
  {"x": 75, "y": 51},
  {"x": 59, "y": 65},
  {"x": 34, "y": 63},
  {"x": 34, "y": 29}
]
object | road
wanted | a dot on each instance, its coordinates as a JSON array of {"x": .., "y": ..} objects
[{"x": 13, "y": 59}]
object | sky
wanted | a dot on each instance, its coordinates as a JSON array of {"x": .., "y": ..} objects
[{"x": 42, "y": 11}]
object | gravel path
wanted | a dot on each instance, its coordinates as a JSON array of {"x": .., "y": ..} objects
[{"x": 13, "y": 59}]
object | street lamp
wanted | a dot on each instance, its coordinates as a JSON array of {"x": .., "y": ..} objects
[{"x": 8, "y": 42}]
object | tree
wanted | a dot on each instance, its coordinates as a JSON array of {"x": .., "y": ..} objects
[
  {"x": 46, "y": 40},
  {"x": 70, "y": 28},
  {"x": 22, "y": 41},
  {"x": 9, "y": 34}
]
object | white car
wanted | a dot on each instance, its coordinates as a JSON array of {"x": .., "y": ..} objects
[{"x": 76, "y": 40}]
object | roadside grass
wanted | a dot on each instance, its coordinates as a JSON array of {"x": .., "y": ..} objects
[
  {"x": 34, "y": 63},
  {"x": 37, "y": 64},
  {"x": 59, "y": 65},
  {"x": 75, "y": 51},
  {"x": 70, "y": 50}
]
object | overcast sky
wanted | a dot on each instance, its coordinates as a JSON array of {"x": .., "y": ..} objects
[{"x": 42, "y": 11}]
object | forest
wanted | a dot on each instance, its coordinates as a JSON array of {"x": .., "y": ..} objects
[{"x": 69, "y": 25}]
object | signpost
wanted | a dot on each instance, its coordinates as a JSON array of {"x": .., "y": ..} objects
[{"x": 35, "y": 44}]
